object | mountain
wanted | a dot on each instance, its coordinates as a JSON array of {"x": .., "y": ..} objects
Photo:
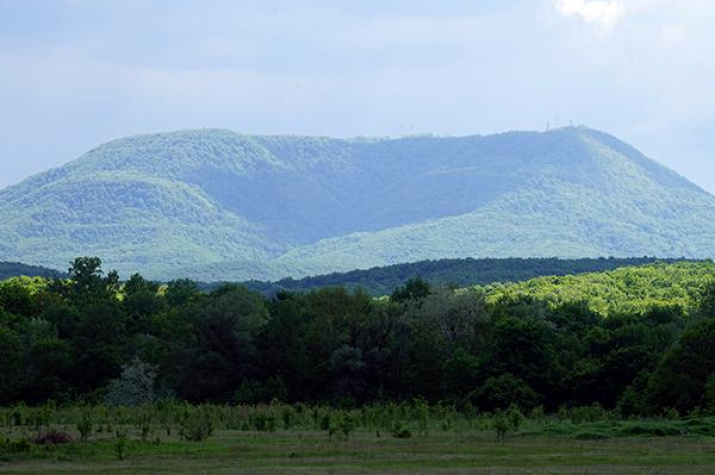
[
  {"x": 17, "y": 269},
  {"x": 219, "y": 204}
]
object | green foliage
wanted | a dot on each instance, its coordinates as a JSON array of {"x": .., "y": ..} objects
[
  {"x": 20, "y": 446},
  {"x": 453, "y": 272},
  {"x": 10, "y": 364},
  {"x": 501, "y": 423},
  {"x": 85, "y": 426},
  {"x": 502, "y": 391},
  {"x": 400, "y": 431},
  {"x": 593, "y": 413},
  {"x": 632, "y": 340},
  {"x": 627, "y": 290},
  {"x": 344, "y": 424},
  {"x": 515, "y": 416},
  {"x": 120, "y": 447},
  {"x": 414, "y": 289},
  {"x": 706, "y": 306},
  {"x": 681, "y": 379},
  {"x": 197, "y": 424},
  {"x": 263, "y": 421}
]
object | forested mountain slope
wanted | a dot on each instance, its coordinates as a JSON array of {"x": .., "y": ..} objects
[
  {"x": 215, "y": 203},
  {"x": 16, "y": 269},
  {"x": 380, "y": 281}
]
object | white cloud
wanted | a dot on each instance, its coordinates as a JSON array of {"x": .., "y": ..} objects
[{"x": 604, "y": 14}]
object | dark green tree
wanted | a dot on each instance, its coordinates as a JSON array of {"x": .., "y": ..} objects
[
  {"x": 414, "y": 289},
  {"x": 681, "y": 378},
  {"x": 223, "y": 353}
]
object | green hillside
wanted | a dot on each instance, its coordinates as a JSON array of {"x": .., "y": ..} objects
[
  {"x": 16, "y": 269},
  {"x": 220, "y": 205},
  {"x": 467, "y": 272}
]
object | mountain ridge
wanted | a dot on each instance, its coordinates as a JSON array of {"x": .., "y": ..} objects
[{"x": 272, "y": 206}]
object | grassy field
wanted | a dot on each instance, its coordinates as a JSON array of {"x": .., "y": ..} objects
[{"x": 606, "y": 447}]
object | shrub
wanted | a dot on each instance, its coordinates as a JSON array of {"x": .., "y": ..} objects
[
  {"x": 400, "y": 431},
  {"x": 19, "y": 446},
  {"x": 287, "y": 416},
  {"x": 325, "y": 422},
  {"x": 120, "y": 448},
  {"x": 345, "y": 424},
  {"x": 263, "y": 421},
  {"x": 503, "y": 391},
  {"x": 593, "y": 413},
  {"x": 537, "y": 414},
  {"x": 501, "y": 423},
  {"x": 515, "y": 417},
  {"x": 197, "y": 425},
  {"x": 85, "y": 426},
  {"x": 630, "y": 403}
]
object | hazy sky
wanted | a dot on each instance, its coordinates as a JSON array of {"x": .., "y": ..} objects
[{"x": 75, "y": 73}]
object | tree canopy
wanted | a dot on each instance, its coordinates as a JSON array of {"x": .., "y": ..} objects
[{"x": 637, "y": 339}]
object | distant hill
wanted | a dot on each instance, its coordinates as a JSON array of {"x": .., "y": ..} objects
[
  {"x": 218, "y": 205},
  {"x": 458, "y": 272},
  {"x": 15, "y": 269}
]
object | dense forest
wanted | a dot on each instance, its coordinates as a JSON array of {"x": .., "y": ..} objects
[
  {"x": 452, "y": 272},
  {"x": 636, "y": 339}
]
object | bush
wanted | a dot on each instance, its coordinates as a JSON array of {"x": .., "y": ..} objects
[
  {"x": 287, "y": 416},
  {"x": 400, "y": 431},
  {"x": 120, "y": 448},
  {"x": 503, "y": 391},
  {"x": 263, "y": 421},
  {"x": 630, "y": 403},
  {"x": 20, "y": 446},
  {"x": 197, "y": 425},
  {"x": 501, "y": 423},
  {"x": 515, "y": 417},
  {"x": 345, "y": 424},
  {"x": 537, "y": 414},
  {"x": 85, "y": 426},
  {"x": 325, "y": 421},
  {"x": 593, "y": 413}
]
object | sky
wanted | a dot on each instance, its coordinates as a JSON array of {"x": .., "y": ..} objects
[{"x": 77, "y": 73}]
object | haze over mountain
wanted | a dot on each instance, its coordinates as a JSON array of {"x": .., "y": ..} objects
[{"x": 223, "y": 205}]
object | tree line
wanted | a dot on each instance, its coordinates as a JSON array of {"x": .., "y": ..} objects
[
  {"x": 455, "y": 272},
  {"x": 93, "y": 338}
]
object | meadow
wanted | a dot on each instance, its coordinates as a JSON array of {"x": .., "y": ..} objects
[{"x": 390, "y": 438}]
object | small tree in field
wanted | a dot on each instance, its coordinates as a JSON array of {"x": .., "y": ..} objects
[
  {"x": 135, "y": 387},
  {"x": 501, "y": 424}
]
